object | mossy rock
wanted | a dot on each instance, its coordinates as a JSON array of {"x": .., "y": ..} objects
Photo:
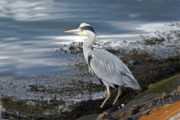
[{"x": 165, "y": 85}]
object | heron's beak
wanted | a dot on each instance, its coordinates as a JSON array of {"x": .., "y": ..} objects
[{"x": 75, "y": 31}]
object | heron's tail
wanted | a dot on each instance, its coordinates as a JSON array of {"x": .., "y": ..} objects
[{"x": 130, "y": 81}]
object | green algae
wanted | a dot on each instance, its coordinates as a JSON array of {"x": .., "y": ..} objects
[{"x": 163, "y": 85}]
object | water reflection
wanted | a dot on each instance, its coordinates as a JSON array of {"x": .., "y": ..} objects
[
  {"x": 18, "y": 56},
  {"x": 160, "y": 27},
  {"x": 32, "y": 10}
]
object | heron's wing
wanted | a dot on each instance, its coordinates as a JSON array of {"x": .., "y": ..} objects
[{"x": 111, "y": 69}]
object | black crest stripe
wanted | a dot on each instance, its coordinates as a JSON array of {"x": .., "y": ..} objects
[{"x": 88, "y": 28}]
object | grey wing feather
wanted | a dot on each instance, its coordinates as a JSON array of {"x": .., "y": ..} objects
[{"x": 111, "y": 69}]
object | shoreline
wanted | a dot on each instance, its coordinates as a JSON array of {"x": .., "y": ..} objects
[
  {"x": 163, "y": 68},
  {"x": 150, "y": 60}
]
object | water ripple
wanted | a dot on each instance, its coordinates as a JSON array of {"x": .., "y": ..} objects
[{"x": 33, "y": 10}]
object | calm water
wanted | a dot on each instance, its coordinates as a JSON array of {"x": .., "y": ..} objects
[{"x": 30, "y": 30}]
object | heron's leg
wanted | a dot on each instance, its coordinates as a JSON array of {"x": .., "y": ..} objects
[
  {"x": 107, "y": 97},
  {"x": 118, "y": 95}
]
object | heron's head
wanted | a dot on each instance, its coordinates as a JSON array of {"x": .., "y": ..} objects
[{"x": 84, "y": 29}]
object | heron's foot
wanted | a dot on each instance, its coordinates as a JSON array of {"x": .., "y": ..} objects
[
  {"x": 102, "y": 105},
  {"x": 114, "y": 102}
]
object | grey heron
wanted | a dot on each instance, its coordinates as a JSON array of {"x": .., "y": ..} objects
[{"x": 106, "y": 66}]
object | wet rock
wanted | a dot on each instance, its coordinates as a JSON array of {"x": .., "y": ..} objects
[
  {"x": 135, "y": 110},
  {"x": 154, "y": 41},
  {"x": 164, "y": 95},
  {"x": 163, "y": 113},
  {"x": 88, "y": 117},
  {"x": 105, "y": 116}
]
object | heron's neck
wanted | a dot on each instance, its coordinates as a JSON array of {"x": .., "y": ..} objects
[{"x": 88, "y": 43}]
